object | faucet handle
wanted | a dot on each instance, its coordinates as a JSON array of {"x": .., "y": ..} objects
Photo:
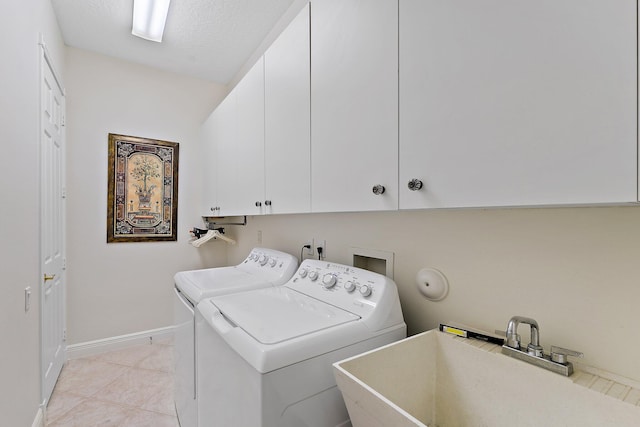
[
  {"x": 559, "y": 354},
  {"x": 510, "y": 339}
]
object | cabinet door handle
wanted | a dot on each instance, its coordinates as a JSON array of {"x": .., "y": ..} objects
[
  {"x": 378, "y": 189},
  {"x": 414, "y": 184},
  {"x": 267, "y": 202},
  {"x": 258, "y": 204}
]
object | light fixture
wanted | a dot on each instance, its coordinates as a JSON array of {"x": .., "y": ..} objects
[{"x": 149, "y": 17}]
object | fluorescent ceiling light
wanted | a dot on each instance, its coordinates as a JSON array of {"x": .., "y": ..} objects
[{"x": 149, "y": 17}]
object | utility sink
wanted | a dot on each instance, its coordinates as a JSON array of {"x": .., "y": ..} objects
[{"x": 436, "y": 379}]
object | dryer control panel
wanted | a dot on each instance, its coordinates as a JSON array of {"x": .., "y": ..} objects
[
  {"x": 272, "y": 265},
  {"x": 370, "y": 295}
]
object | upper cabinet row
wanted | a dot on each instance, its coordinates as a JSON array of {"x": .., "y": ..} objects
[{"x": 431, "y": 103}]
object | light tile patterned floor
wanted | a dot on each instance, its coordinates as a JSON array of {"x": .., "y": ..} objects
[{"x": 125, "y": 388}]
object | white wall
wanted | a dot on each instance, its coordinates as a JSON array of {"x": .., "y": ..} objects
[
  {"x": 574, "y": 270},
  {"x": 21, "y": 24},
  {"x": 120, "y": 288}
]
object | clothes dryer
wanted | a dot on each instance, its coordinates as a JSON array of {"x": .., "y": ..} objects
[
  {"x": 262, "y": 268},
  {"x": 266, "y": 355}
]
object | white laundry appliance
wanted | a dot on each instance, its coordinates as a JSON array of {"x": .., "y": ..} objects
[
  {"x": 265, "y": 356},
  {"x": 262, "y": 268}
]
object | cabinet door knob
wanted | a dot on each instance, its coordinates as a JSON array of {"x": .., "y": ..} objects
[
  {"x": 267, "y": 202},
  {"x": 414, "y": 184},
  {"x": 258, "y": 204},
  {"x": 378, "y": 189}
]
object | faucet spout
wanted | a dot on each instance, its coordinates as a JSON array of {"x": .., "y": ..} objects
[{"x": 513, "y": 339}]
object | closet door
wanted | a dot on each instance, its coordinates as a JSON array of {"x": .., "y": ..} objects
[
  {"x": 518, "y": 102},
  {"x": 354, "y": 104},
  {"x": 287, "y": 120}
]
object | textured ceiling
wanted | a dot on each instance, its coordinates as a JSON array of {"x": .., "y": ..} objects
[{"x": 209, "y": 39}]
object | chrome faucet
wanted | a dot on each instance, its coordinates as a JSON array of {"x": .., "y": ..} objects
[
  {"x": 513, "y": 339},
  {"x": 556, "y": 361}
]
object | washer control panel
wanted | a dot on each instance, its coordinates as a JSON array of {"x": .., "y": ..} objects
[
  {"x": 350, "y": 288},
  {"x": 275, "y": 266}
]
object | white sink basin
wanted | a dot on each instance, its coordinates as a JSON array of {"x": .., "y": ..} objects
[{"x": 435, "y": 379}]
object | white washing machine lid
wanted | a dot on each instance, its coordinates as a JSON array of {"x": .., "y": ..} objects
[
  {"x": 200, "y": 284},
  {"x": 274, "y": 315}
]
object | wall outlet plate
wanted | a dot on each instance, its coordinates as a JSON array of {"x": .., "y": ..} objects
[
  {"x": 321, "y": 244},
  {"x": 311, "y": 250}
]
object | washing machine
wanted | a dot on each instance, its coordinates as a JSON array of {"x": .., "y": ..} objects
[
  {"x": 263, "y": 267},
  {"x": 266, "y": 355}
]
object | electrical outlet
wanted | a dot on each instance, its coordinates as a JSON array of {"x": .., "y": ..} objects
[
  {"x": 322, "y": 246},
  {"x": 311, "y": 249}
]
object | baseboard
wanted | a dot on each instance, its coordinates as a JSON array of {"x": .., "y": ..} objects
[
  {"x": 39, "y": 420},
  {"x": 91, "y": 348}
]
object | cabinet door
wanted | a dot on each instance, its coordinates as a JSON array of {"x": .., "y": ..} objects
[
  {"x": 250, "y": 140},
  {"x": 287, "y": 120},
  {"x": 226, "y": 156},
  {"x": 514, "y": 102},
  {"x": 208, "y": 140},
  {"x": 354, "y": 104}
]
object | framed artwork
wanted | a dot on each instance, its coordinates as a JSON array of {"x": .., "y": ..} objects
[{"x": 142, "y": 200}]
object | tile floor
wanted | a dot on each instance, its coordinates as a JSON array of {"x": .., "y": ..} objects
[{"x": 124, "y": 388}]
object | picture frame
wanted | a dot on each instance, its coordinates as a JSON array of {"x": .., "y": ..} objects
[{"x": 142, "y": 195}]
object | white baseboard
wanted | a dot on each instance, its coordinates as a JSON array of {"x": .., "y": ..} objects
[
  {"x": 91, "y": 348},
  {"x": 39, "y": 420}
]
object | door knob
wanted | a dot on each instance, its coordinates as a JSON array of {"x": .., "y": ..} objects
[
  {"x": 378, "y": 189},
  {"x": 414, "y": 184}
]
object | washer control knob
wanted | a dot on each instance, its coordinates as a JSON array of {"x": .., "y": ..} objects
[
  {"x": 365, "y": 290},
  {"x": 263, "y": 259},
  {"x": 313, "y": 275},
  {"x": 303, "y": 272},
  {"x": 329, "y": 280},
  {"x": 350, "y": 286},
  {"x": 273, "y": 262}
]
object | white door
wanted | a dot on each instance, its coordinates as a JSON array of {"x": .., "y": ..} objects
[
  {"x": 52, "y": 254},
  {"x": 209, "y": 165},
  {"x": 517, "y": 102},
  {"x": 354, "y": 105},
  {"x": 250, "y": 142},
  {"x": 287, "y": 130}
]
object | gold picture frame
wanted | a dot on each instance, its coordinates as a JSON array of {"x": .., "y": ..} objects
[{"x": 142, "y": 200}]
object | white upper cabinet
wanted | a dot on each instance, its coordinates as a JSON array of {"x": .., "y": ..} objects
[
  {"x": 209, "y": 165},
  {"x": 354, "y": 104},
  {"x": 250, "y": 141},
  {"x": 225, "y": 137},
  {"x": 508, "y": 102},
  {"x": 287, "y": 120},
  {"x": 233, "y": 150}
]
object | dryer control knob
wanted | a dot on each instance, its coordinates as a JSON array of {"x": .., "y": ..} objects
[
  {"x": 365, "y": 290},
  {"x": 350, "y": 286},
  {"x": 313, "y": 275},
  {"x": 263, "y": 259},
  {"x": 303, "y": 273},
  {"x": 329, "y": 280},
  {"x": 273, "y": 262}
]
